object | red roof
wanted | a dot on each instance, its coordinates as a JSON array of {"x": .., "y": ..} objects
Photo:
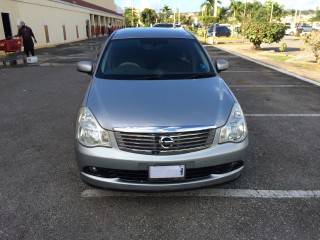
[{"x": 92, "y": 6}]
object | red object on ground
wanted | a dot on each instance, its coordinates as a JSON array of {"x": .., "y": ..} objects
[{"x": 13, "y": 45}]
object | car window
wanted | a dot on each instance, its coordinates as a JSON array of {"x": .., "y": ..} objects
[
  {"x": 164, "y": 25},
  {"x": 154, "y": 59}
]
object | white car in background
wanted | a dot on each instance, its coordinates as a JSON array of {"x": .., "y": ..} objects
[
  {"x": 291, "y": 31},
  {"x": 179, "y": 26},
  {"x": 302, "y": 30}
]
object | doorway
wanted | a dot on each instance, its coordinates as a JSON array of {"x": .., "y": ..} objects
[{"x": 6, "y": 25}]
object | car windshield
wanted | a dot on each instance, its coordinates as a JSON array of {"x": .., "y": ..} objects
[{"x": 154, "y": 59}]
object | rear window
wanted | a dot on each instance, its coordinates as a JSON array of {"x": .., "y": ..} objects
[
  {"x": 154, "y": 59},
  {"x": 164, "y": 25}
]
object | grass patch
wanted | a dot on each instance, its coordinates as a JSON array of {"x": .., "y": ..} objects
[
  {"x": 311, "y": 66},
  {"x": 281, "y": 58}
]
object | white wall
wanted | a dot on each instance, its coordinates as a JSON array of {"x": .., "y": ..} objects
[{"x": 53, "y": 13}]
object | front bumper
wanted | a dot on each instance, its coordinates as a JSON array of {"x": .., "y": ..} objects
[{"x": 113, "y": 158}]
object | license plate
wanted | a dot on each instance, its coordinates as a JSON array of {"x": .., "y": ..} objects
[{"x": 167, "y": 172}]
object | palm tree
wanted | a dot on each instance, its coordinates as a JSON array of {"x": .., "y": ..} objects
[
  {"x": 165, "y": 13},
  {"x": 208, "y": 6},
  {"x": 235, "y": 8}
]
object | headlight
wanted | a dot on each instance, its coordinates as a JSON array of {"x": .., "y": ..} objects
[
  {"x": 89, "y": 133},
  {"x": 235, "y": 129}
]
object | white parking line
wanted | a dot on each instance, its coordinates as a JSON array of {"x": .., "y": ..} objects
[
  {"x": 240, "y": 71},
  {"x": 241, "y": 193},
  {"x": 283, "y": 115},
  {"x": 273, "y": 86}
]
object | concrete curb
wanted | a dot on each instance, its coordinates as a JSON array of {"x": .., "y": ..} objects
[{"x": 269, "y": 66}]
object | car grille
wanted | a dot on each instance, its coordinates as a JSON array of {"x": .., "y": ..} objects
[
  {"x": 165, "y": 143},
  {"x": 142, "y": 175}
]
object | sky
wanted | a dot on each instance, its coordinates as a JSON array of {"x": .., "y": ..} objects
[{"x": 194, "y": 5}]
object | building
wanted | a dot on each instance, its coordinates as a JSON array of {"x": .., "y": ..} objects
[{"x": 59, "y": 21}]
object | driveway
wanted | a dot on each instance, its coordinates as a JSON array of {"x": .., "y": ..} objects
[{"x": 42, "y": 196}]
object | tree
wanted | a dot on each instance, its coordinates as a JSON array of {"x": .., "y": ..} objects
[
  {"x": 256, "y": 12},
  {"x": 223, "y": 14},
  {"x": 266, "y": 32},
  {"x": 208, "y": 6},
  {"x": 185, "y": 19},
  {"x": 274, "y": 10},
  {"x": 290, "y": 12},
  {"x": 312, "y": 41},
  {"x": 316, "y": 18},
  {"x": 148, "y": 16},
  {"x": 165, "y": 13},
  {"x": 235, "y": 8},
  {"x": 131, "y": 16},
  {"x": 207, "y": 20}
]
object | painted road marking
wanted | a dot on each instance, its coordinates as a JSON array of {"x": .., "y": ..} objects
[
  {"x": 240, "y": 71},
  {"x": 241, "y": 193},
  {"x": 283, "y": 115},
  {"x": 273, "y": 86}
]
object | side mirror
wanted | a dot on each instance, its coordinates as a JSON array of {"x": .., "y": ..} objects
[
  {"x": 85, "y": 66},
  {"x": 222, "y": 65}
]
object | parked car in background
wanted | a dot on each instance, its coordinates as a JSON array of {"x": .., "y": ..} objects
[
  {"x": 165, "y": 25},
  {"x": 221, "y": 31},
  {"x": 301, "y": 30},
  {"x": 290, "y": 30},
  {"x": 305, "y": 28},
  {"x": 179, "y": 26},
  {"x": 237, "y": 29},
  {"x": 157, "y": 116},
  {"x": 316, "y": 26}
]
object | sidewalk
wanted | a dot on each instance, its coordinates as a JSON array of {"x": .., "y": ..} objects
[
  {"x": 64, "y": 54},
  {"x": 293, "y": 60}
]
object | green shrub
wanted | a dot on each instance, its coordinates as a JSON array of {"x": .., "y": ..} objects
[
  {"x": 283, "y": 47},
  {"x": 193, "y": 30},
  {"x": 263, "y": 32},
  {"x": 312, "y": 41}
]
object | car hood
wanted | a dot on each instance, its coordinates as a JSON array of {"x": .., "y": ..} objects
[{"x": 160, "y": 103}]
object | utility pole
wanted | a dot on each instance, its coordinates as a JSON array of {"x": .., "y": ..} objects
[
  {"x": 131, "y": 13},
  {"x": 271, "y": 12},
  {"x": 215, "y": 8},
  {"x": 179, "y": 12},
  {"x": 245, "y": 9},
  {"x": 174, "y": 12},
  {"x": 215, "y": 15}
]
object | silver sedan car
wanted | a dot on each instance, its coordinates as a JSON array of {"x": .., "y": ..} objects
[{"x": 157, "y": 116}]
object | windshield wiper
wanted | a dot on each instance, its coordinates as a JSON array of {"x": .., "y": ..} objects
[
  {"x": 199, "y": 75},
  {"x": 150, "y": 78}
]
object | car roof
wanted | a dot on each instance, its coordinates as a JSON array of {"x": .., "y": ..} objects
[
  {"x": 151, "y": 33},
  {"x": 163, "y": 23}
]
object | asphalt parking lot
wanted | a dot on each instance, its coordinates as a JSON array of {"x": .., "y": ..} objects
[{"x": 43, "y": 197}]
